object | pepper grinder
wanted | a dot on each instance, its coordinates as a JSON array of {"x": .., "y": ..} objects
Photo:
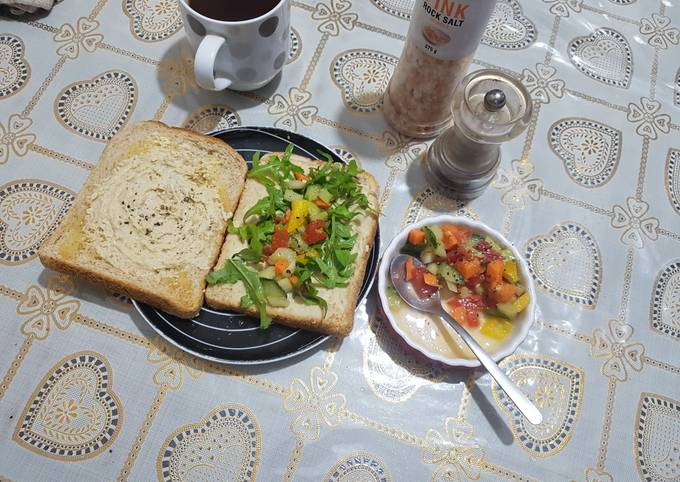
[{"x": 489, "y": 108}]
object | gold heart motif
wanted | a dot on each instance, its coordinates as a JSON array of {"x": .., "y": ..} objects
[
  {"x": 508, "y": 28},
  {"x": 620, "y": 331},
  {"x": 566, "y": 264},
  {"x": 297, "y": 396},
  {"x": 634, "y": 355},
  {"x": 307, "y": 425},
  {"x": 362, "y": 76},
  {"x": 29, "y": 211},
  {"x": 589, "y": 150},
  {"x": 322, "y": 381},
  {"x": 225, "y": 445},
  {"x": 73, "y": 414},
  {"x": 665, "y": 303},
  {"x": 34, "y": 299},
  {"x": 38, "y": 326},
  {"x": 153, "y": 20},
  {"x": 614, "y": 367},
  {"x": 604, "y": 55},
  {"x": 14, "y": 69},
  {"x": 600, "y": 344},
  {"x": 98, "y": 108},
  {"x": 358, "y": 466},
  {"x": 65, "y": 33},
  {"x": 656, "y": 442},
  {"x": 556, "y": 387},
  {"x": 596, "y": 475}
]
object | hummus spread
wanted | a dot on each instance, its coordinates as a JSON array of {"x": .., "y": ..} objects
[{"x": 153, "y": 217}]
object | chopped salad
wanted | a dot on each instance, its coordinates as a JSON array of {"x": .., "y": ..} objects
[
  {"x": 300, "y": 236},
  {"x": 474, "y": 275}
]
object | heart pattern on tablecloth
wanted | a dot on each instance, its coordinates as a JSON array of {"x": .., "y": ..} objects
[
  {"x": 589, "y": 150},
  {"x": 604, "y": 55},
  {"x": 398, "y": 8},
  {"x": 153, "y": 20},
  {"x": 431, "y": 201},
  {"x": 359, "y": 466},
  {"x": 14, "y": 69},
  {"x": 664, "y": 310},
  {"x": 656, "y": 443},
  {"x": 211, "y": 118},
  {"x": 362, "y": 76},
  {"x": 556, "y": 387},
  {"x": 673, "y": 178},
  {"x": 225, "y": 445},
  {"x": 566, "y": 263},
  {"x": 100, "y": 107},
  {"x": 508, "y": 28},
  {"x": 393, "y": 370},
  {"x": 73, "y": 414},
  {"x": 30, "y": 210}
]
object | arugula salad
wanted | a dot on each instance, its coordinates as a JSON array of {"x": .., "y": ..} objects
[{"x": 299, "y": 237}]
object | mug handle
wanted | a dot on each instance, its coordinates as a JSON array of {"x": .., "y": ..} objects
[{"x": 204, "y": 64}]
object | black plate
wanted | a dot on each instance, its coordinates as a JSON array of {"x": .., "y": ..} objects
[{"x": 228, "y": 337}]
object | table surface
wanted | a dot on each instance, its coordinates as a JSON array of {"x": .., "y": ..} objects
[{"x": 590, "y": 194}]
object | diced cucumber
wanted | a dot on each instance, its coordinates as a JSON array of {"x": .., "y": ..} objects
[
  {"x": 285, "y": 285},
  {"x": 508, "y": 310},
  {"x": 473, "y": 240},
  {"x": 493, "y": 312},
  {"x": 453, "y": 287},
  {"x": 290, "y": 196},
  {"x": 427, "y": 256},
  {"x": 438, "y": 246},
  {"x": 274, "y": 294},
  {"x": 507, "y": 255},
  {"x": 449, "y": 273},
  {"x": 315, "y": 212},
  {"x": 267, "y": 273},
  {"x": 312, "y": 192},
  {"x": 325, "y": 195},
  {"x": 295, "y": 184},
  {"x": 432, "y": 268},
  {"x": 412, "y": 249}
]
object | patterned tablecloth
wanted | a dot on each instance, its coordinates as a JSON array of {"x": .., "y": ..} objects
[{"x": 590, "y": 194}]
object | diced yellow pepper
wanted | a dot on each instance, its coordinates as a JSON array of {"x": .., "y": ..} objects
[
  {"x": 301, "y": 259},
  {"x": 522, "y": 302},
  {"x": 510, "y": 271},
  {"x": 495, "y": 327},
  {"x": 298, "y": 213}
]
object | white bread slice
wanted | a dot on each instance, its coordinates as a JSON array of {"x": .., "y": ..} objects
[
  {"x": 153, "y": 252},
  {"x": 339, "y": 318}
]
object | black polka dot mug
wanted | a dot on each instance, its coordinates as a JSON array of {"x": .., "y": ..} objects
[{"x": 232, "y": 49}]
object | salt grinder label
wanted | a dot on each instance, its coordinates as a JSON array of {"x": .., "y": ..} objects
[{"x": 448, "y": 29}]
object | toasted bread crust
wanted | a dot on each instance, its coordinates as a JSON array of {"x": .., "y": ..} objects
[
  {"x": 179, "y": 302},
  {"x": 339, "y": 319}
]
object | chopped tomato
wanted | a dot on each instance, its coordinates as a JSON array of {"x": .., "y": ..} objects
[
  {"x": 267, "y": 250},
  {"x": 489, "y": 253},
  {"x": 503, "y": 293},
  {"x": 471, "y": 283},
  {"x": 280, "y": 239},
  {"x": 494, "y": 272},
  {"x": 468, "y": 309},
  {"x": 315, "y": 231},
  {"x": 422, "y": 289},
  {"x": 321, "y": 203},
  {"x": 416, "y": 236},
  {"x": 300, "y": 177},
  {"x": 469, "y": 268},
  {"x": 409, "y": 268},
  {"x": 430, "y": 279},
  {"x": 284, "y": 219}
]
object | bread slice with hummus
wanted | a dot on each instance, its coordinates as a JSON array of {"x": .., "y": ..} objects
[
  {"x": 341, "y": 301},
  {"x": 150, "y": 219}
]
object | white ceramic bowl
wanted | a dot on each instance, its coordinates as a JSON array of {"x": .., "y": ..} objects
[{"x": 522, "y": 322}]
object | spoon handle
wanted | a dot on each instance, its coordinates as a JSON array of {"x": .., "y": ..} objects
[{"x": 516, "y": 395}]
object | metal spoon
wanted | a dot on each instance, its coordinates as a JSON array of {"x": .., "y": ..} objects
[{"x": 433, "y": 305}]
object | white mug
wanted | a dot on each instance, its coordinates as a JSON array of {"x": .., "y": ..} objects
[{"x": 240, "y": 55}]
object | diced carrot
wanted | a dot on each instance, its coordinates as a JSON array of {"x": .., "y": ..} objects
[
  {"x": 416, "y": 236},
  {"x": 494, "y": 272},
  {"x": 280, "y": 266},
  {"x": 410, "y": 267},
  {"x": 503, "y": 293},
  {"x": 454, "y": 235},
  {"x": 321, "y": 203},
  {"x": 294, "y": 279},
  {"x": 430, "y": 279},
  {"x": 300, "y": 177},
  {"x": 469, "y": 269}
]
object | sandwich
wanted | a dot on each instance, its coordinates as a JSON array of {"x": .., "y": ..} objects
[
  {"x": 151, "y": 218},
  {"x": 298, "y": 245}
]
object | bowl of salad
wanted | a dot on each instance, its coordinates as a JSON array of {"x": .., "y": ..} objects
[{"x": 482, "y": 280}]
